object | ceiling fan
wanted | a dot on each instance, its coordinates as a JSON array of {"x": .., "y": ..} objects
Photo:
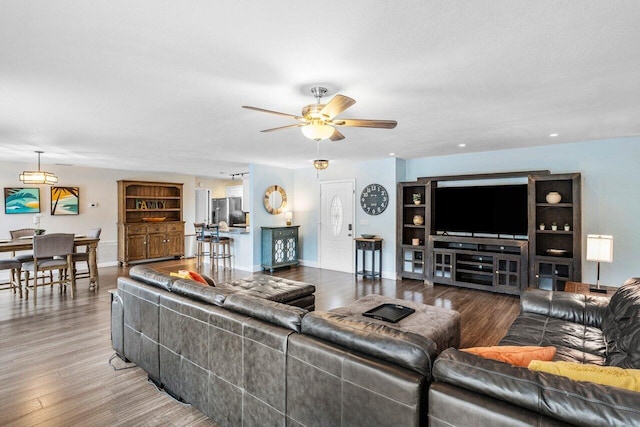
[{"x": 318, "y": 120}]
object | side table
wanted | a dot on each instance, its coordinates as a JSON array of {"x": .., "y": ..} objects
[
  {"x": 372, "y": 245},
  {"x": 585, "y": 288}
]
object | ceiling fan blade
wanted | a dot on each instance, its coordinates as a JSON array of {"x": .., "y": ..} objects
[
  {"x": 362, "y": 123},
  {"x": 297, "y": 125},
  {"x": 272, "y": 112},
  {"x": 336, "y": 136},
  {"x": 337, "y": 105}
]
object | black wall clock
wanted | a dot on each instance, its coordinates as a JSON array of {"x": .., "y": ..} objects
[{"x": 374, "y": 199}]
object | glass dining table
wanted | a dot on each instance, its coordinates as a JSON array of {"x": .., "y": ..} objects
[{"x": 26, "y": 243}]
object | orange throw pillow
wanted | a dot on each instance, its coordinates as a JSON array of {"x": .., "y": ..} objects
[
  {"x": 513, "y": 354},
  {"x": 191, "y": 275},
  {"x": 197, "y": 277}
]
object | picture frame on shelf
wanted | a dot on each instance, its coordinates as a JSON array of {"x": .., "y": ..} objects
[
  {"x": 65, "y": 200},
  {"x": 21, "y": 200}
]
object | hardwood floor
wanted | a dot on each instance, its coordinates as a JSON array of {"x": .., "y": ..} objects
[{"x": 54, "y": 362}]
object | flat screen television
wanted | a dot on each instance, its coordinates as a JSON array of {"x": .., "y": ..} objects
[{"x": 494, "y": 209}]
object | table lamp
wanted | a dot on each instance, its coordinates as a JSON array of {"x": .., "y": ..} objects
[
  {"x": 599, "y": 249},
  {"x": 288, "y": 216}
]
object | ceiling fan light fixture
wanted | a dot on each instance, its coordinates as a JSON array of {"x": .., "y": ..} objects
[
  {"x": 317, "y": 130},
  {"x": 38, "y": 177},
  {"x": 321, "y": 164}
]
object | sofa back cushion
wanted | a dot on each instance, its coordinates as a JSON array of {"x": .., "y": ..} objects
[
  {"x": 287, "y": 316},
  {"x": 195, "y": 290},
  {"x": 152, "y": 277},
  {"x": 621, "y": 326},
  {"x": 406, "y": 349}
]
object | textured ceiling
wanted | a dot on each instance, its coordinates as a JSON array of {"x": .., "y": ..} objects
[{"x": 158, "y": 86}]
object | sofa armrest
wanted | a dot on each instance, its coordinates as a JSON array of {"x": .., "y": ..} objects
[
  {"x": 588, "y": 310},
  {"x": 550, "y": 395}
]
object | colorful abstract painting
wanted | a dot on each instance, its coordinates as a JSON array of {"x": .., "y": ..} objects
[
  {"x": 65, "y": 200},
  {"x": 21, "y": 200}
]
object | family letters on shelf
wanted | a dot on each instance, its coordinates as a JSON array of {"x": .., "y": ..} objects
[{"x": 149, "y": 204}]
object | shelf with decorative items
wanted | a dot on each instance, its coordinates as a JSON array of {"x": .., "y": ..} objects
[
  {"x": 554, "y": 230},
  {"x": 150, "y": 221},
  {"x": 413, "y": 229}
]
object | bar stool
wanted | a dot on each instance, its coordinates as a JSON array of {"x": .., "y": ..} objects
[
  {"x": 14, "y": 279},
  {"x": 201, "y": 240},
  {"x": 220, "y": 248}
]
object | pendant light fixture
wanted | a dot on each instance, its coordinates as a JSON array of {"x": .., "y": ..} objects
[
  {"x": 320, "y": 164},
  {"x": 38, "y": 177}
]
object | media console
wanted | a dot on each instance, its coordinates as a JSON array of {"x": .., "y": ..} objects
[{"x": 498, "y": 265}]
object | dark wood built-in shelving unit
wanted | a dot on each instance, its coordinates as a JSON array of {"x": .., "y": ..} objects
[{"x": 547, "y": 259}]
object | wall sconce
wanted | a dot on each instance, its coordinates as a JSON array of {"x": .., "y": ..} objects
[
  {"x": 288, "y": 216},
  {"x": 599, "y": 249}
]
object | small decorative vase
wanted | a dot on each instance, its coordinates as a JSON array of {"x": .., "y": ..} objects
[
  {"x": 418, "y": 220},
  {"x": 567, "y": 227},
  {"x": 554, "y": 227},
  {"x": 416, "y": 202},
  {"x": 553, "y": 198},
  {"x": 541, "y": 226}
]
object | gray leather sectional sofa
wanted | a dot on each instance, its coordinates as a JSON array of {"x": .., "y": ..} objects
[
  {"x": 472, "y": 391},
  {"x": 246, "y": 360}
]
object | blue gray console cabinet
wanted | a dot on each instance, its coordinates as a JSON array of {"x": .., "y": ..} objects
[{"x": 279, "y": 247}]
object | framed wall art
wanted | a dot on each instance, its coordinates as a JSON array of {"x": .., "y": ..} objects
[
  {"x": 65, "y": 200},
  {"x": 21, "y": 200}
]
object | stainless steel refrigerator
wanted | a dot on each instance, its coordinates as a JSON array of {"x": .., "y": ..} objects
[{"x": 227, "y": 209}]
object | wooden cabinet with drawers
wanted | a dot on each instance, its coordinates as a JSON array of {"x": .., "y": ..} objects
[{"x": 149, "y": 221}]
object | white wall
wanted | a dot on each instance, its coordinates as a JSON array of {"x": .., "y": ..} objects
[
  {"x": 307, "y": 204},
  {"x": 610, "y": 190},
  {"x": 96, "y": 185}
]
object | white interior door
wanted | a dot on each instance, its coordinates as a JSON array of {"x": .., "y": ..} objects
[{"x": 336, "y": 225}]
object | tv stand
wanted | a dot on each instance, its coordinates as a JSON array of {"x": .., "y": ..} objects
[{"x": 497, "y": 265}]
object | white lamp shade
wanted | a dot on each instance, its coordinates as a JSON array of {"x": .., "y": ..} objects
[
  {"x": 288, "y": 215},
  {"x": 599, "y": 248}
]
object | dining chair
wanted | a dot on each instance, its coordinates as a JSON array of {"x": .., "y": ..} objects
[
  {"x": 22, "y": 232},
  {"x": 13, "y": 265},
  {"x": 77, "y": 257},
  {"x": 50, "y": 252}
]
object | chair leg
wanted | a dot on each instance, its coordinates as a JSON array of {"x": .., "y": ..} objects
[
  {"x": 15, "y": 278},
  {"x": 26, "y": 285}
]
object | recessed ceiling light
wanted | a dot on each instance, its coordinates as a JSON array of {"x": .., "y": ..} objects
[
  {"x": 392, "y": 154},
  {"x": 553, "y": 135},
  {"x": 462, "y": 145}
]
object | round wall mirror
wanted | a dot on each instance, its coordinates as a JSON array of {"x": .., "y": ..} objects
[{"x": 275, "y": 199}]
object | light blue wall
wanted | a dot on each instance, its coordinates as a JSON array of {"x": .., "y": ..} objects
[
  {"x": 261, "y": 178},
  {"x": 610, "y": 190}
]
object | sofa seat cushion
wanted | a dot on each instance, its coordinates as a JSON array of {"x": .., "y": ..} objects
[
  {"x": 271, "y": 288},
  {"x": 621, "y": 326},
  {"x": 573, "y": 342}
]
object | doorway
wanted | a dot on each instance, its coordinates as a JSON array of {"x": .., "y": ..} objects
[{"x": 336, "y": 225}]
